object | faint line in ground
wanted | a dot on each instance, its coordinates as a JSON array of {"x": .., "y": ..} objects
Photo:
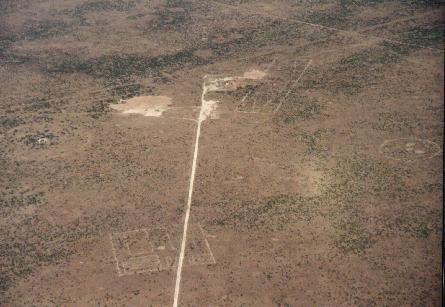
[
  {"x": 250, "y": 92},
  {"x": 292, "y": 86},
  {"x": 357, "y": 34}
]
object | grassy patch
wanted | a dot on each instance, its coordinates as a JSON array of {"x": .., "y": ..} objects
[
  {"x": 32, "y": 242},
  {"x": 114, "y": 67},
  {"x": 328, "y": 18},
  {"x": 22, "y": 199},
  {"x": 102, "y": 5},
  {"x": 414, "y": 221},
  {"x": 10, "y": 6},
  {"x": 359, "y": 177},
  {"x": 298, "y": 110},
  {"x": 37, "y": 104},
  {"x": 274, "y": 213},
  {"x": 168, "y": 19},
  {"x": 335, "y": 16},
  {"x": 395, "y": 121},
  {"x": 99, "y": 108},
  {"x": 252, "y": 39},
  {"x": 427, "y": 3},
  {"x": 234, "y": 2},
  {"x": 386, "y": 53},
  {"x": 34, "y": 140},
  {"x": 363, "y": 68},
  {"x": 125, "y": 66},
  {"x": 431, "y": 35},
  {"x": 352, "y": 237},
  {"x": 17, "y": 59},
  {"x": 6, "y": 41},
  {"x": 352, "y": 182},
  {"x": 174, "y": 3},
  {"x": 9, "y": 122},
  {"x": 314, "y": 141},
  {"x": 126, "y": 91},
  {"x": 45, "y": 29}
]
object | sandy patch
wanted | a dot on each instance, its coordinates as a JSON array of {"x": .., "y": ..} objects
[
  {"x": 203, "y": 53},
  {"x": 144, "y": 105},
  {"x": 311, "y": 180},
  {"x": 223, "y": 84},
  {"x": 254, "y": 74}
]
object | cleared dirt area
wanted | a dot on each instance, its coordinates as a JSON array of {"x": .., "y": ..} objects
[{"x": 221, "y": 153}]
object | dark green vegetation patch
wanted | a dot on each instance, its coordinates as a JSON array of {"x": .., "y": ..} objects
[
  {"x": 100, "y": 108},
  {"x": 431, "y": 35},
  {"x": 102, "y": 5},
  {"x": 126, "y": 91},
  {"x": 299, "y": 108},
  {"x": 354, "y": 73},
  {"x": 168, "y": 19},
  {"x": 16, "y": 201},
  {"x": 112, "y": 67},
  {"x": 30, "y": 242},
  {"x": 353, "y": 182},
  {"x": 8, "y": 122},
  {"x": 45, "y": 29}
]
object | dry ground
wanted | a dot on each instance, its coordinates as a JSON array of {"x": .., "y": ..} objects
[{"x": 335, "y": 199}]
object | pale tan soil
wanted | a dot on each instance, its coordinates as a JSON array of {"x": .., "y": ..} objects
[
  {"x": 334, "y": 200},
  {"x": 143, "y": 105}
]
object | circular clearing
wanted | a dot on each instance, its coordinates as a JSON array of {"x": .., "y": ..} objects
[{"x": 409, "y": 149}]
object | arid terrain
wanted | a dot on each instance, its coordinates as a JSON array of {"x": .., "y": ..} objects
[{"x": 221, "y": 152}]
